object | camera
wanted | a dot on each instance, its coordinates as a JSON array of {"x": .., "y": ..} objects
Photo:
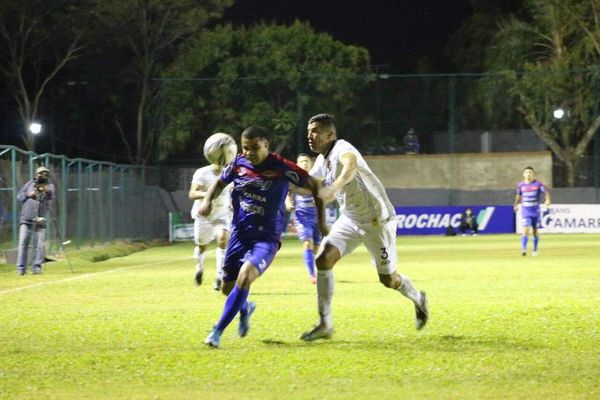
[{"x": 41, "y": 180}]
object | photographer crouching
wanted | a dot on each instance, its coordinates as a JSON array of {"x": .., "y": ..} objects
[{"x": 36, "y": 197}]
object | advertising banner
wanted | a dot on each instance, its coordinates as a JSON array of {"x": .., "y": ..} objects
[
  {"x": 567, "y": 218},
  {"x": 435, "y": 220}
]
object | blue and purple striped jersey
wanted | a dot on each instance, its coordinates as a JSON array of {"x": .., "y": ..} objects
[
  {"x": 305, "y": 209},
  {"x": 531, "y": 195},
  {"x": 259, "y": 193}
]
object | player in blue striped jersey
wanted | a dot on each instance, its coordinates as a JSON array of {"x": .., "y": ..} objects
[
  {"x": 528, "y": 199},
  {"x": 306, "y": 221},
  {"x": 260, "y": 185}
]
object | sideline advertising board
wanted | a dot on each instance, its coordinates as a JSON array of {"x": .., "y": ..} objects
[
  {"x": 435, "y": 220},
  {"x": 567, "y": 218}
]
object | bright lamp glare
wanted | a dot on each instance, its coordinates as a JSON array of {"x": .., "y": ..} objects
[
  {"x": 559, "y": 113},
  {"x": 35, "y": 128}
]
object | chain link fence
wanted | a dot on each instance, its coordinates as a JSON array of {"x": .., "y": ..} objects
[{"x": 94, "y": 201}]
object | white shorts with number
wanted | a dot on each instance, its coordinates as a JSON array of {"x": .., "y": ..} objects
[
  {"x": 380, "y": 241},
  {"x": 205, "y": 230}
]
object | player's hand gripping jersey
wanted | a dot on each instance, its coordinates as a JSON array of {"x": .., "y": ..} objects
[
  {"x": 363, "y": 200},
  {"x": 205, "y": 176},
  {"x": 531, "y": 194},
  {"x": 259, "y": 193}
]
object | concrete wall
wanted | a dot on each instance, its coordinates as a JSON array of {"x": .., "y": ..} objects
[
  {"x": 472, "y": 171},
  {"x": 444, "y": 179}
]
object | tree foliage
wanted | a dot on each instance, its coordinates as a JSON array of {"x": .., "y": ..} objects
[
  {"x": 37, "y": 40},
  {"x": 546, "y": 62},
  {"x": 268, "y": 75},
  {"x": 152, "y": 32}
]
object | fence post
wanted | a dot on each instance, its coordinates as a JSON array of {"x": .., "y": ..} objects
[{"x": 15, "y": 213}]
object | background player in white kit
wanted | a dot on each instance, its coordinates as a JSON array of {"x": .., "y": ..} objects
[
  {"x": 367, "y": 217},
  {"x": 214, "y": 226}
]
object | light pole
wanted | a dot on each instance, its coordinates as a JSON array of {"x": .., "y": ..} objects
[{"x": 35, "y": 128}]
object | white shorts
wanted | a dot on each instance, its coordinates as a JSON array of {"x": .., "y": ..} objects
[
  {"x": 380, "y": 241},
  {"x": 205, "y": 230}
]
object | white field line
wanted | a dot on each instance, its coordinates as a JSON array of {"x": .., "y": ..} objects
[{"x": 92, "y": 275}]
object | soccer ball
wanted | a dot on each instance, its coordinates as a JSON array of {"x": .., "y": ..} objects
[{"x": 220, "y": 149}]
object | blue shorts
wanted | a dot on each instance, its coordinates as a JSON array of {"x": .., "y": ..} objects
[
  {"x": 530, "y": 221},
  {"x": 308, "y": 230},
  {"x": 259, "y": 253}
]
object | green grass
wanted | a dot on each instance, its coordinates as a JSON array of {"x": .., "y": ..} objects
[{"x": 502, "y": 326}]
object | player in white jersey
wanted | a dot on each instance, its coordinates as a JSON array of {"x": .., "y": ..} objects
[
  {"x": 367, "y": 217},
  {"x": 214, "y": 226}
]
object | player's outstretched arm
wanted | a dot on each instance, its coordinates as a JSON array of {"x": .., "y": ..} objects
[
  {"x": 547, "y": 198},
  {"x": 197, "y": 191},
  {"x": 348, "y": 173},
  {"x": 213, "y": 191},
  {"x": 315, "y": 187}
]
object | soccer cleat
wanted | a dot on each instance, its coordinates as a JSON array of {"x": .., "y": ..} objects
[
  {"x": 421, "y": 312},
  {"x": 20, "y": 271},
  {"x": 318, "y": 332},
  {"x": 214, "y": 338},
  {"x": 535, "y": 253},
  {"x": 217, "y": 284},
  {"x": 244, "y": 326},
  {"x": 36, "y": 270},
  {"x": 198, "y": 277}
]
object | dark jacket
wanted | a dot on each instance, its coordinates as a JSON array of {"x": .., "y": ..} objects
[{"x": 32, "y": 208}]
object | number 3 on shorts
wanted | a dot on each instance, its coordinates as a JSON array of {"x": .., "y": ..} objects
[{"x": 384, "y": 254}]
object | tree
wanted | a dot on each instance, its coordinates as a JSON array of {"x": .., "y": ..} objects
[
  {"x": 153, "y": 31},
  {"x": 545, "y": 63},
  {"x": 269, "y": 75},
  {"x": 38, "y": 39}
]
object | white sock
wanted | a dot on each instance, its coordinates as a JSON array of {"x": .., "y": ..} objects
[
  {"x": 324, "y": 295},
  {"x": 407, "y": 289},
  {"x": 199, "y": 259},
  {"x": 220, "y": 258}
]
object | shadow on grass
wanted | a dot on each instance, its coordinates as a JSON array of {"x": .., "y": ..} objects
[{"x": 437, "y": 343}]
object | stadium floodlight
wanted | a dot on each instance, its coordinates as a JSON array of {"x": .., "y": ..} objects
[
  {"x": 35, "y": 128},
  {"x": 559, "y": 113}
]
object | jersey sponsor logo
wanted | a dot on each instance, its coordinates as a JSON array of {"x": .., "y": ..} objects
[
  {"x": 256, "y": 183},
  {"x": 252, "y": 208},
  {"x": 255, "y": 196}
]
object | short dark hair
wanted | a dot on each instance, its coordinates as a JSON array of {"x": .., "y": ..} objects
[
  {"x": 255, "y": 132},
  {"x": 324, "y": 119},
  {"x": 303, "y": 155},
  {"x": 526, "y": 168}
]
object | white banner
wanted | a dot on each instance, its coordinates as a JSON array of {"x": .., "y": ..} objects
[{"x": 567, "y": 218}]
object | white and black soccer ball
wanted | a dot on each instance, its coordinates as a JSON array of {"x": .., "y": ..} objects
[{"x": 220, "y": 149}]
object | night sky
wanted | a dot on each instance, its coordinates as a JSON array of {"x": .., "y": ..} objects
[{"x": 397, "y": 33}]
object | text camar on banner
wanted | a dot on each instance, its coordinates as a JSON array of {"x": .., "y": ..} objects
[{"x": 567, "y": 218}]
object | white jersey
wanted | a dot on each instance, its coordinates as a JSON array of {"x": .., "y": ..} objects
[
  {"x": 221, "y": 206},
  {"x": 363, "y": 200}
]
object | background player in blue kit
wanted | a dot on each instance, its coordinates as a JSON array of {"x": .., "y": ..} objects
[
  {"x": 260, "y": 185},
  {"x": 529, "y": 193},
  {"x": 306, "y": 220}
]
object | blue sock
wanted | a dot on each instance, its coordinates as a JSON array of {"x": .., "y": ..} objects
[
  {"x": 536, "y": 240},
  {"x": 233, "y": 304},
  {"x": 309, "y": 260},
  {"x": 524, "y": 239}
]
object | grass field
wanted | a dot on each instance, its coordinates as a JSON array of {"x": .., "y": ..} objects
[{"x": 502, "y": 326}]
